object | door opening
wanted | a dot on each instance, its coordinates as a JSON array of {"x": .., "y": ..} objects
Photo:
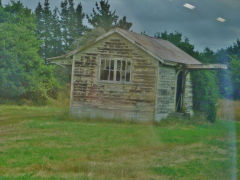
[{"x": 179, "y": 92}]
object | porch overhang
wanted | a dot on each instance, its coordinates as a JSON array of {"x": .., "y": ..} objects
[
  {"x": 61, "y": 61},
  {"x": 206, "y": 66}
]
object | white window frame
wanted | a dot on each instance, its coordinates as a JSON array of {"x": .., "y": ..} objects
[{"x": 115, "y": 70}]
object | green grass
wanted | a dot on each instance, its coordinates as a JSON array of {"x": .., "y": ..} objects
[{"x": 43, "y": 143}]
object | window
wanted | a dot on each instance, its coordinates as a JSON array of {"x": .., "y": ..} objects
[{"x": 115, "y": 70}]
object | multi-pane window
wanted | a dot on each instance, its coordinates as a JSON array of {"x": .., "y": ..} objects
[{"x": 115, "y": 70}]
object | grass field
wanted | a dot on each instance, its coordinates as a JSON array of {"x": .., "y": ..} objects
[{"x": 43, "y": 143}]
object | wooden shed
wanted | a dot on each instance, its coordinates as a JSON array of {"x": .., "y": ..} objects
[{"x": 125, "y": 75}]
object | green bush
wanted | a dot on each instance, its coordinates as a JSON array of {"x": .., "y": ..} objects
[
  {"x": 23, "y": 74},
  {"x": 234, "y": 67},
  {"x": 205, "y": 93}
]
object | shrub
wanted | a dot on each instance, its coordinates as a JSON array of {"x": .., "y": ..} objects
[
  {"x": 205, "y": 93},
  {"x": 23, "y": 74}
]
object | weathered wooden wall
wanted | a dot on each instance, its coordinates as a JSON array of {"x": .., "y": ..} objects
[
  {"x": 166, "y": 91},
  {"x": 91, "y": 97},
  {"x": 188, "y": 95},
  {"x": 150, "y": 95}
]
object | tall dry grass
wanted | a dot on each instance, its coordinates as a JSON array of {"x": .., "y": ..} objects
[
  {"x": 63, "y": 98},
  {"x": 228, "y": 110}
]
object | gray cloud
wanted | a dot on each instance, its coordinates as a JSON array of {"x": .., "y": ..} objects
[{"x": 199, "y": 25}]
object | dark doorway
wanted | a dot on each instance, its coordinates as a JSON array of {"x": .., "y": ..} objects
[{"x": 179, "y": 92}]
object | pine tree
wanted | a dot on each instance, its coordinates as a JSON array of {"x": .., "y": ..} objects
[
  {"x": 71, "y": 22},
  {"x": 56, "y": 42},
  {"x": 103, "y": 16},
  {"x": 80, "y": 28},
  {"x": 122, "y": 23},
  {"x": 57, "y": 30},
  {"x": 47, "y": 34},
  {"x": 44, "y": 30},
  {"x": 40, "y": 25},
  {"x": 64, "y": 24}
]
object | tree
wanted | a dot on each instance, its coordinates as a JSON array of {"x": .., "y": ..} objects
[
  {"x": 40, "y": 25},
  {"x": 56, "y": 40},
  {"x": 22, "y": 72},
  {"x": 75, "y": 23},
  {"x": 234, "y": 67},
  {"x": 47, "y": 33},
  {"x": 58, "y": 30},
  {"x": 122, "y": 23},
  {"x": 205, "y": 87},
  {"x": 80, "y": 28},
  {"x": 64, "y": 24},
  {"x": 44, "y": 19},
  {"x": 225, "y": 80},
  {"x": 102, "y": 16},
  {"x": 234, "y": 49},
  {"x": 71, "y": 23},
  {"x": 208, "y": 56}
]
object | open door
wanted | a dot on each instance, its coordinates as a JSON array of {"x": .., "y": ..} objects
[{"x": 179, "y": 92}]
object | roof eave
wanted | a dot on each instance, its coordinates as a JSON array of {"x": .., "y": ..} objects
[
  {"x": 56, "y": 58},
  {"x": 116, "y": 30},
  {"x": 206, "y": 66}
]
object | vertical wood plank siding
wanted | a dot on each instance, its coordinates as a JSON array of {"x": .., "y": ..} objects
[
  {"x": 166, "y": 91},
  {"x": 188, "y": 96},
  {"x": 134, "y": 100}
]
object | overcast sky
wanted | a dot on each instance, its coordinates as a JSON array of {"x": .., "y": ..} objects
[{"x": 199, "y": 25}]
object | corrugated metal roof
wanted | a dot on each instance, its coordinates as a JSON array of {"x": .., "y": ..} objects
[{"x": 162, "y": 49}]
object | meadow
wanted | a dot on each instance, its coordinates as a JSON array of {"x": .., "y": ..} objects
[{"x": 44, "y": 143}]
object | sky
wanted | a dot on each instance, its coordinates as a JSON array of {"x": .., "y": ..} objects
[{"x": 199, "y": 24}]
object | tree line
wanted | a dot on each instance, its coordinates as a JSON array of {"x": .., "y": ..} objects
[
  {"x": 27, "y": 38},
  {"x": 60, "y": 28}
]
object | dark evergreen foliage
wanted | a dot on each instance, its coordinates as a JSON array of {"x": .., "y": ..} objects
[
  {"x": 64, "y": 23},
  {"x": 58, "y": 29},
  {"x": 56, "y": 40},
  {"x": 234, "y": 74},
  {"x": 205, "y": 87},
  {"x": 124, "y": 24},
  {"x": 228, "y": 89},
  {"x": 102, "y": 16},
  {"x": 47, "y": 35},
  {"x": 80, "y": 28}
]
